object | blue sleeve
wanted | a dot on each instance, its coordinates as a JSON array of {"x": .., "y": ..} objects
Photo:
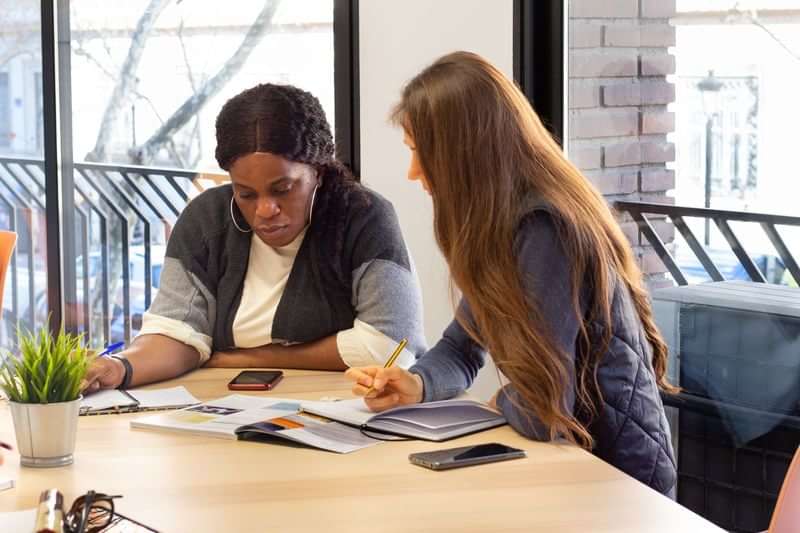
[
  {"x": 450, "y": 367},
  {"x": 547, "y": 279}
]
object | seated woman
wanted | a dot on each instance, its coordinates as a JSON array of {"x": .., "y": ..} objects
[
  {"x": 293, "y": 265},
  {"x": 551, "y": 289}
]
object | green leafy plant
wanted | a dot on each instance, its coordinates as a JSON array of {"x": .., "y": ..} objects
[{"x": 48, "y": 369}]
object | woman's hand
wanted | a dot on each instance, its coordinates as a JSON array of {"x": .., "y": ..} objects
[
  {"x": 390, "y": 386},
  {"x": 104, "y": 373}
]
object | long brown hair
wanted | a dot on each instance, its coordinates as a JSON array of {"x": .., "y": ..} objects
[{"x": 486, "y": 155}]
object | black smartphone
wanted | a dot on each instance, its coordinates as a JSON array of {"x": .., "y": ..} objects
[
  {"x": 465, "y": 456},
  {"x": 256, "y": 380}
]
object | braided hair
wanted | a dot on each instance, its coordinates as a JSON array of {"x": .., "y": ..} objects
[{"x": 282, "y": 120}]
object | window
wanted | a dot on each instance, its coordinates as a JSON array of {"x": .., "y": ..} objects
[
  {"x": 147, "y": 80},
  {"x": 5, "y": 111}
]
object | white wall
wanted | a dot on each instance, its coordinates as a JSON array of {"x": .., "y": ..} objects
[{"x": 397, "y": 39}]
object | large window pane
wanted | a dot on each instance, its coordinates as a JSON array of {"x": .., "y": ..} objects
[
  {"x": 148, "y": 79},
  {"x": 22, "y": 198}
]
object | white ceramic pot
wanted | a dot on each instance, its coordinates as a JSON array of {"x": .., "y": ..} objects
[{"x": 45, "y": 432}]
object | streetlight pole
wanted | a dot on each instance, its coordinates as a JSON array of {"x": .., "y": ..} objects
[
  {"x": 709, "y": 87},
  {"x": 707, "y": 183}
]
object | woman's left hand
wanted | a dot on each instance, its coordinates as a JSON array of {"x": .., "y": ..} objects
[{"x": 493, "y": 401}]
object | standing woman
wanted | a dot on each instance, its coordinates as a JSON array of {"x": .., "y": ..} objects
[
  {"x": 549, "y": 284},
  {"x": 294, "y": 264}
]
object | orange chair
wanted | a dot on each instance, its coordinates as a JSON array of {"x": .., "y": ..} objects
[
  {"x": 8, "y": 239},
  {"x": 786, "y": 516}
]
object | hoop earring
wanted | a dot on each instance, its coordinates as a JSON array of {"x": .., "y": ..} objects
[
  {"x": 311, "y": 209},
  {"x": 233, "y": 219}
]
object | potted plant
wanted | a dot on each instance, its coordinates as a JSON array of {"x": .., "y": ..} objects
[{"x": 43, "y": 385}]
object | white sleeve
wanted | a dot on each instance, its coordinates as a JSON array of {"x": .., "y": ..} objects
[
  {"x": 153, "y": 324},
  {"x": 363, "y": 345}
]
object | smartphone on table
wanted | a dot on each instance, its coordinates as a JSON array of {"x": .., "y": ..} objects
[
  {"x": 256, "y": 380},
  {"x": 465, "y": 456}
]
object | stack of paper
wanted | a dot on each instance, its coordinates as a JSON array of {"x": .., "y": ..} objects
[{"x": 119, "y": 401}]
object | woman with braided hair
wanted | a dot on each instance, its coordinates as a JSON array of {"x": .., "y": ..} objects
[{"x": 293, "y": 265}]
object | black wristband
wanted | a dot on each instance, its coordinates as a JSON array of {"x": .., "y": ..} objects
[{"x": 126, "y": 379}]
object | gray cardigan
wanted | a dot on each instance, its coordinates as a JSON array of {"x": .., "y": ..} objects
[
  {"x": 352, "y": 263},
  {"x": 631, "y": 430}
]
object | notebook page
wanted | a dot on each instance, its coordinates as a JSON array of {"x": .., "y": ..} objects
[
  {"x": 442, "y": 417},
  {"x": 106, "y": 399},
  {"x": 155, "y": 398},
  {"x": 354, "y": 412}
]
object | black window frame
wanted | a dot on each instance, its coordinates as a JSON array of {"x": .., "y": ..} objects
[
  {"x": 540, "y": 63},
  {"x": 56, "y": 138}
]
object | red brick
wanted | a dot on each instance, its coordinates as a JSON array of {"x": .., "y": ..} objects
[
  {"x": 664, "y": 229},
  {"x": 582, "y": 96},
  {"x": 631, "y": 231},
  {"x": 657, "y": 198},
  {"x": 603, "y": 123},
  {"x": 622, "y": 36},
  {"x": 624, "y": 94},
  {"x": 594, "y": 65},
  {"x": 604, "y": 8},
  {"x": 585, "y": 35},
  {"x": 656, "y": 35},
  {"x": 650, "y": 263},
  {"x": 586, "y": 157},
  {"x": 657, "y": 92},
  {"x": 614, "y": 182},
  {"x": 657, "y": 152},
  {"x": 659, "y": 9},
  {"x": 622, "y": 154},
  {"x": 657, "y": 179},
  {"x": 658, "y": 281},
  {"x": 658, "y": 122},
  {"x": 657, "y": 64}
]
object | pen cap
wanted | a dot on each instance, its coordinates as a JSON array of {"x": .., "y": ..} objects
[{"x": 50, "y": 515}]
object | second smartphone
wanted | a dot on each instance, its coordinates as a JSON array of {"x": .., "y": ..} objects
[
  {"x": 465, "y": 456},
  {"x": 256, "y": 380}
]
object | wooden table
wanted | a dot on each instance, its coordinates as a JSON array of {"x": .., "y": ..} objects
[{"x": 182, "y": 483}]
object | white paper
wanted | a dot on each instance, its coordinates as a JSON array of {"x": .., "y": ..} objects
[
  {"x": 431, "y": 421},
  {"x": 155, "y": 398},
  {"x": 275, "y": 417},
  {"x": 146, "y": 398},
  {"x": 6, "y": 483},
  {"x": 18, "y": 521},
  {"x": 105, "y": 399},
  {"x": 221, "y": 417},
  {"x": 354, "y": 412}
]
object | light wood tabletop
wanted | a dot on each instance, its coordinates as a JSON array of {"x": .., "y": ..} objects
[{"x": 179, "y": 483}]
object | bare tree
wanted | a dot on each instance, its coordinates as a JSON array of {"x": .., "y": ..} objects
[
  {"x": 125, "y": 92},
  {"x": 21, "y": 35},
  {"x": 145, "y": 152},
  {"x": 126, "y": 83}
]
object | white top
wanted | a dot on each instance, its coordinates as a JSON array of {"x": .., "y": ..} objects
[{"x": 268, "y": 271}]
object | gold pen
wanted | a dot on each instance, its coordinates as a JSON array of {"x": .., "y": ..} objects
[{"x": 392, "y": 358}]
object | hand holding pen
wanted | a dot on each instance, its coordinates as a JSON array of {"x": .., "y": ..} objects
[
  {"x": 387, "y": 386},
  {"x": 105, "y": 371}
]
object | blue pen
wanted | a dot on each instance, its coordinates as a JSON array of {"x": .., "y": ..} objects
[{"x": 111, "y": 349}]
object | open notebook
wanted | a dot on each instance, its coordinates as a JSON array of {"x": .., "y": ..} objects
[
  {"x": 129, "y": 401},
  {"x": 260, "y": 419},
  {"x": 435, "y": 421}
]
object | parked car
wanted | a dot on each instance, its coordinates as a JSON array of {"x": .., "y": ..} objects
[
  {"x": 117, "y": 327},
  {"x": 729, "y": 266}
]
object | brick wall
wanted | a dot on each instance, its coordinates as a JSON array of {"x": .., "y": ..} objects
[{"x": 618, "y": 95}]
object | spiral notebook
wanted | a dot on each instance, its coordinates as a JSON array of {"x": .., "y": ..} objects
[
  {"x": 434, "y": 421},
  {"x": 131, "y": 401}
]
